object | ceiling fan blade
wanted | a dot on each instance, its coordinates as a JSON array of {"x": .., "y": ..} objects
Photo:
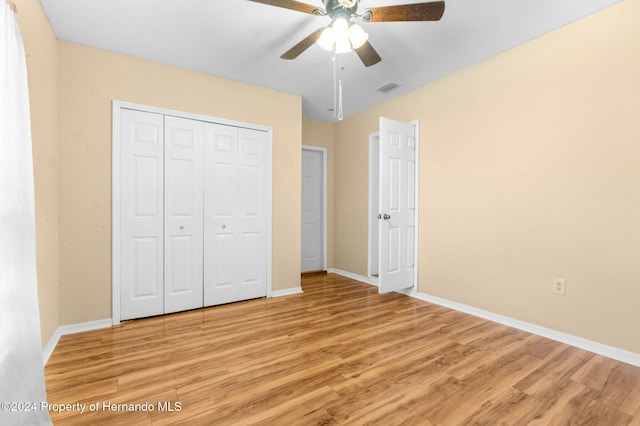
[
  {"x": 306, "y": 43},
  {"x": 291, "y": 4},
  {"x": 368, "y": 54},
  {"x": 432, "y": 11}
]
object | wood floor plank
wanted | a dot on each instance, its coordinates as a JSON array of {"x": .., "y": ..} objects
[
  {"x": 622, "y": 389},
  {"x": 337, "y": 354},
  {"x": 636, "y": 419},
  {"x": 595, "y": 373},
  {"x": 550, "y": 375},
  {"x": 560, "y": 405},
  {"x": 484, "y": 384},
  {"x": 506, "y": 409},
  {"x": 597, "y": 413}
]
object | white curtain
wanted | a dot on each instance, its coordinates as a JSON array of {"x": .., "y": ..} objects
[{"x": 22, "y": 390}]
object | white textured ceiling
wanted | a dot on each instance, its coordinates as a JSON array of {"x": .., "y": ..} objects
[{"x": 243, "y": 41}]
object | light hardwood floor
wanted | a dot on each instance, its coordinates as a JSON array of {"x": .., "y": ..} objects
[{"x": 338, "y": 354}]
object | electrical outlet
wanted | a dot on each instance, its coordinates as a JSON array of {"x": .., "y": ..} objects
[{"x": 559, "y": 286}]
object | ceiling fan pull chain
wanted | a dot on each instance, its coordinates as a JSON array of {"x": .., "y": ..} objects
[
  {"x": 340, "y": 114},
  {"x": 335, "y": 86}
]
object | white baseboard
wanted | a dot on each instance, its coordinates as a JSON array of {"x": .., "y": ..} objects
[
  {"x": 353, "y": 276},
  {"x": 70, "y": 329},
  {"x": 287, "y": 292},
  {"x": 588, "y": 345},
  {"x": 579, "y": 342}
]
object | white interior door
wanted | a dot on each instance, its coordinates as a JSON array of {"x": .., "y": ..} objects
[
  {"x": 397, "y": 205},
  {"x": 312, "y": 249},
  {"x": 141, "y": 214},
  {"x": 183, "y": 206}
]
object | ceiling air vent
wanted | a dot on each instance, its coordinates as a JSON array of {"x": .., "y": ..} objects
[{"x": 387, "y": 87}]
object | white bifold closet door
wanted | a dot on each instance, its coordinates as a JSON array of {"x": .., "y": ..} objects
[
  {"x": 141, "y": 214},
  {"x": 193, "y": 214},
  {"x": 235, "y": 223},
  {"x": 183, "y": 214}
]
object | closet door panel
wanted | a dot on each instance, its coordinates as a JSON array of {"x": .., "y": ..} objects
[
  {"x": 141, "y": 214},
  {"x": 183, "y": 225},
  {"x": 252, "y": 217},
  {"x": 220, "y": 214}
]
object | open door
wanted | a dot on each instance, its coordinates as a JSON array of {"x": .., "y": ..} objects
[{"x": 397, "y": 198}]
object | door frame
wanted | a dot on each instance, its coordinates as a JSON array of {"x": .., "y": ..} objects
[
  {"x": 117, "y": 106},
  {"x": 323, "y": 151},
  {"x": 374, "y": 143},
  {"x": 372, "y": 254}
]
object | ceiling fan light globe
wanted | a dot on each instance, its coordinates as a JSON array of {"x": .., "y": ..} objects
[
  {"x": 357, "y": 36},
  {"x": 340, "y": 27},
  {"x": 327, "y": 39},
  {"x": 343, "y": 45}
]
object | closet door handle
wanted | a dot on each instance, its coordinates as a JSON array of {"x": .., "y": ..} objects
[{"x": 181, "y": 227}]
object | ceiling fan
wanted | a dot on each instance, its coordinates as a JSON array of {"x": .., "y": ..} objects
[{"x": 343, "y": 35}]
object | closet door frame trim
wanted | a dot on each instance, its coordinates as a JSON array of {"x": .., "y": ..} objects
[{"x": 117, "y": 106}]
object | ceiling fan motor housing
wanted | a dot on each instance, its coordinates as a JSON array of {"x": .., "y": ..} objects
[{"x": 336, "y": 6}]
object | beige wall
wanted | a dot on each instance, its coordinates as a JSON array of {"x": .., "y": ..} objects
[
  {"x": 321, "y": 134},
  {"x": 42, "y": 52},
  {"x": 89, "y": 79},
  {"x": 530, "y": 170}
]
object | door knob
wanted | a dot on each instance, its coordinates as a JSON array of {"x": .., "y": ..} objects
[
  {"x": 379, "y": 216},
  {"x": 386, "y": 217},
  {"x": 181, "y": 227}
]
